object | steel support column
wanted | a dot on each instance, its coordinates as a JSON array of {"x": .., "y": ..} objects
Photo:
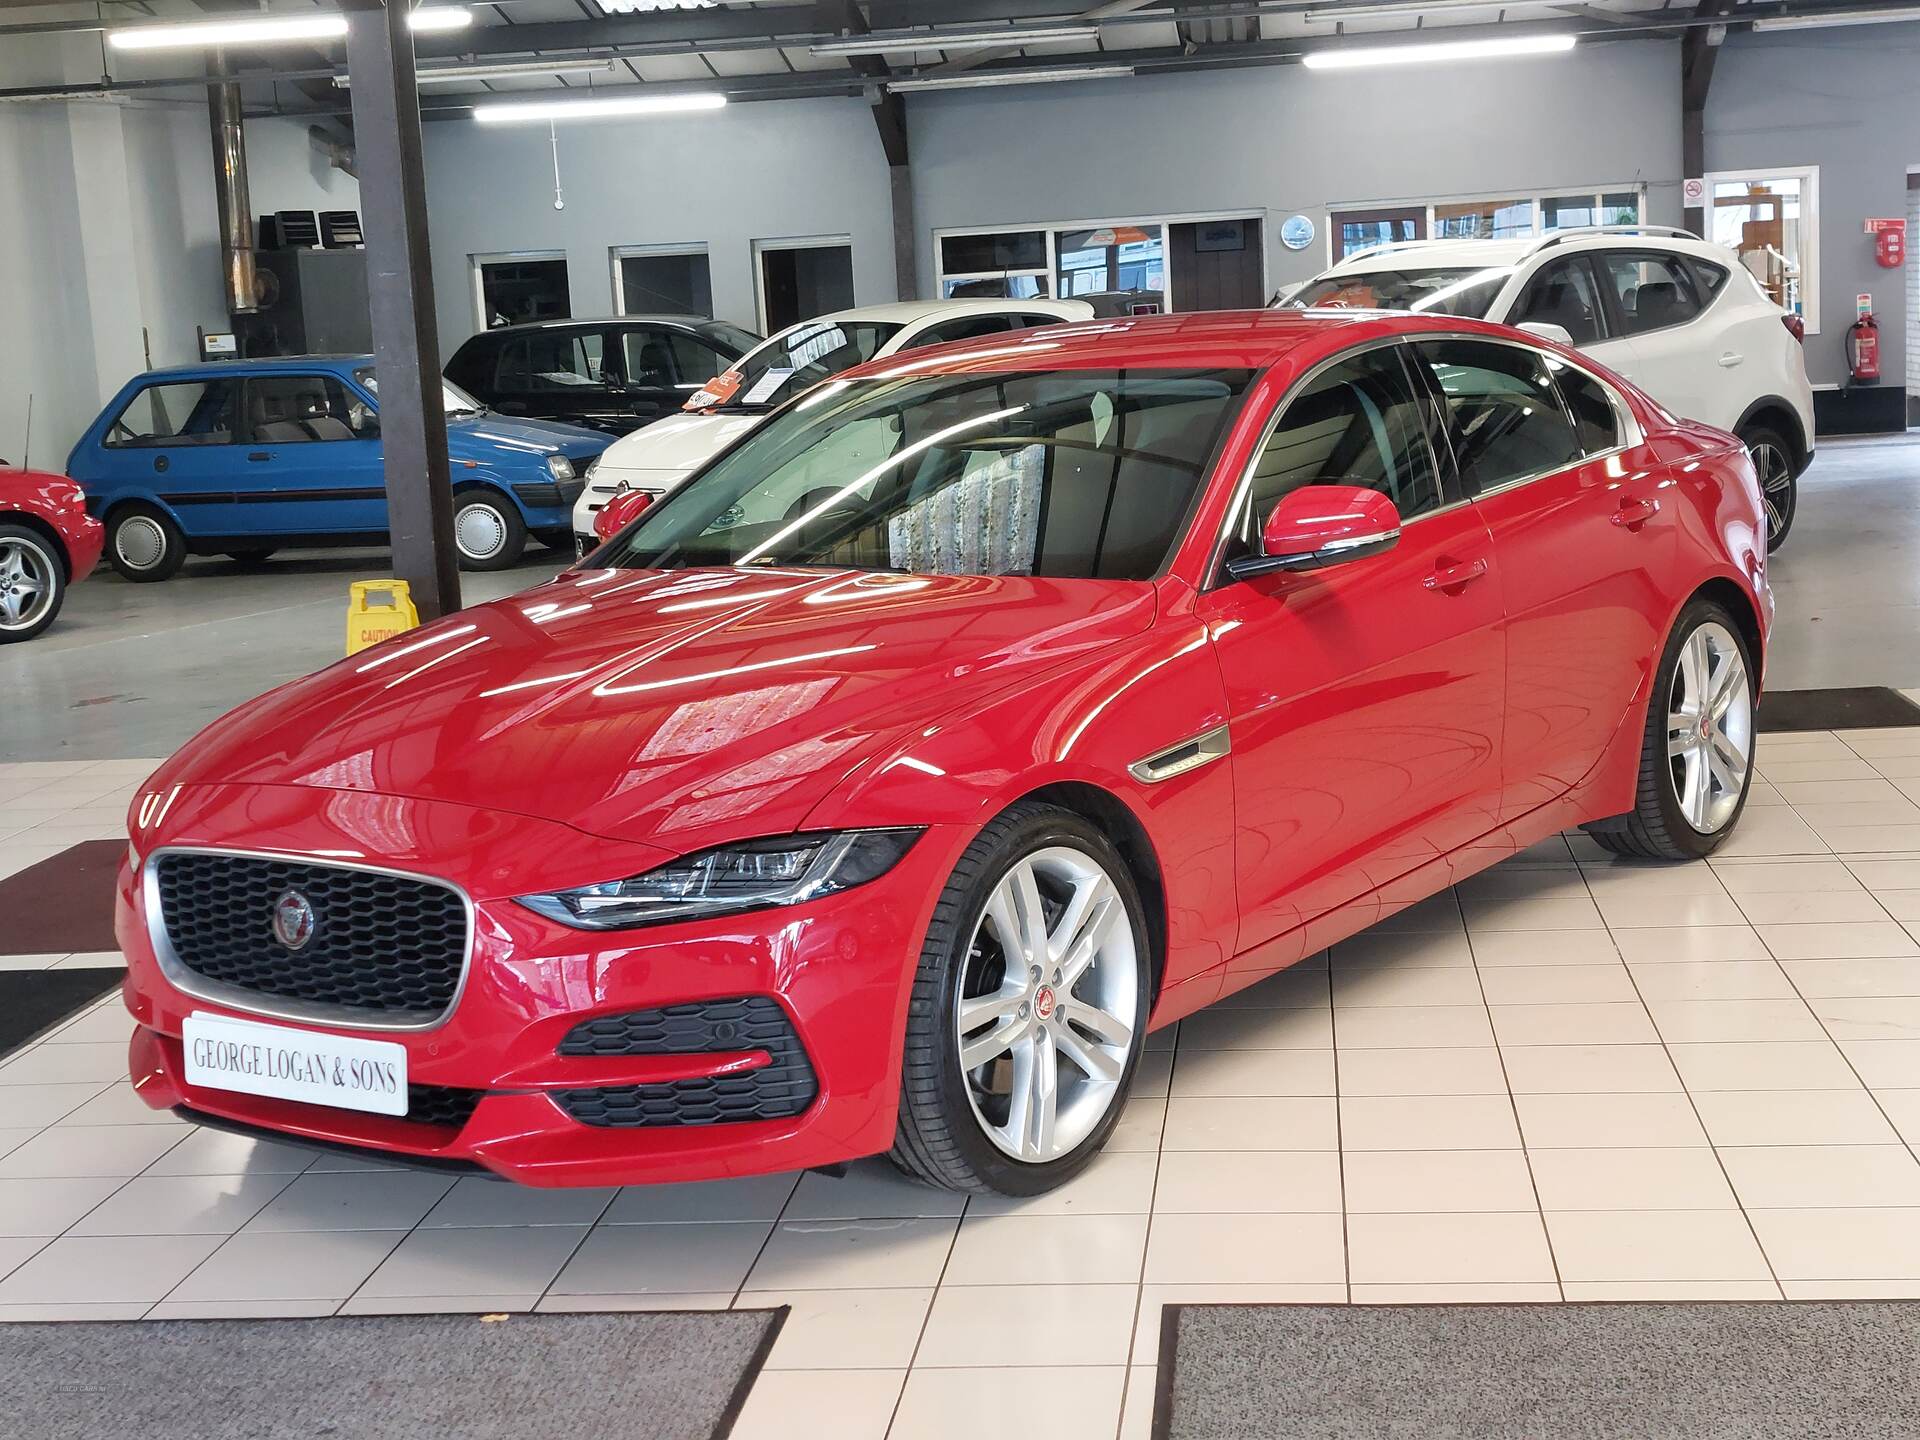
[{"x": 406, "y": 345}]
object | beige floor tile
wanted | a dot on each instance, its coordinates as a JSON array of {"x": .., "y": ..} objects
[
  {"x": 1777, "y": 830},
  {"x": 1872, "y": 743},
  {"x": 1624, "y": 879},
  {"x": 1885, "y": 1064},
  {"x": 1245, "y": 1250},
  {"x": 1661, "y": 946},
  {"x": 1496, "y": 949},
  {"x": 1785, "y": 1177},
  {"x": 870, "y": 1190},
  {"x": 861, "y": 1403},
  {"x": 555, "y": 1303},
  {"x": 1877, "y": 1018},
  {"x": 845, "y": 1329},
  {"x": 1413, "y": 949},
  {"x": 1598, "y": 1122},
  {"x": 1841, "y": 1244},
  {"x": 1840, "y": 940},
  {"x": 1009, "y": 1325},
  {"x": 1671, "y": 1290},
  {"x": 1141, "y": 1123},
  {"x": 1257, "y": 1030},
  {"x": 1136, "y": 1411},
  {"x": 215, "y": 1152},
  {"x": 1588, "y": 1069},
  {"x": 965, "y": 1404},
  {"x": 1527, "y": 1293},
  {"x": 1398, "y": 1027},
  {"x": 1558, "y": 984},
  {"x": 1154, "y": 1299},
  {"x": 1902, "y": 1107},
  {"x": 1648, "y": 912},
  {"x": 1153, "y": 1074},
  {"x": 475, "y": 1201},
  {"x": 1570, "y": 913},
  {"x": 1114, "y": 1184},
  {"x": 240, "y": 1310},
  {"x": 1203, "y": 1073},
  {"x": 71, "y": 1152},
  {"x": 1423, "y": 1072},
  {"x": 1436, "y": 914},
  {"x": 1861, "y": 814},
  {"x": 1401, "y": 1182},
  {"x": 1448, "y": 1249},
  {"x": 1902, "y": 905},
  {"x": 757, "y": 1197},
  {"x": 683, "y": 1259},
  {"x": 1871, "y": 839},
  {"x": 1598, "y": 1245},
  {"x": 1048, "y": 1250},
  {"x": 354, "y": 1200},
  {"x": 1810, "y": 907},
  {"x": 1202, "y": 1182},
  {"x": 480, "y": 1261},
  {"x": 1623, "y": 1023},
  {"x": 1764, "y": 1065},
  {"x": 1851, "y": 1289},
  {"x": 1686, "y": 1022},
  {"x": 1264, "y": 1123},
  {"x": 1427, "y": 1122},
  {"x": 182, "y": 1205},
  {"x": 1387, "y": 982},
  {"x": 1793, "y": 1117},
  {"x": 1517, "y": 882},
  {"x": 1839, "y": 979},
  {"x": 1885, "y": 874},
  {"x": 1713, "y": 980},
  {"x": 312, "y": 1265},
  {"x": 1788, "y": 772},
  {"x": 821, "y": 1254},
  {"x": 1767, "y": 877},
  {"x": 1295, "y": 989},
  {"x": 1631, "y": 1179}
]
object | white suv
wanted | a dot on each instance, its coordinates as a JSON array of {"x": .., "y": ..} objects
[{"x": 1678, "y": 316}]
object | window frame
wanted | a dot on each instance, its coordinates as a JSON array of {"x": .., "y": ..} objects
[
  {"x": 1610, "y": 294},
  {"x": 155, "y": 442},
  {"x": 617, "y": 254},
  {"x": 1603, "y": 313},
  {"x": 1809, "y": 258},
  {"x": 247, "y": 382},
  {"x": 1360, "y": 209},
  {"x": 477, "y": 264}
]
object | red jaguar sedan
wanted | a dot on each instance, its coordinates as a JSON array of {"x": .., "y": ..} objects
[
  {"x": 47, "y": 542},
  {"x": 880, "y": 789}
]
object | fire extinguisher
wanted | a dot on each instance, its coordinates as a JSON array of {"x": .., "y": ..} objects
[{"x": 1863, "y": 350}]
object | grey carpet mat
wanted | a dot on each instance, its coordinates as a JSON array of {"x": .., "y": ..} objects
[
  {"x": 1794, "y": 1370},
  {"x": 652, "y": 1375}
]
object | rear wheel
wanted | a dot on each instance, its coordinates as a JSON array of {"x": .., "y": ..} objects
[
  {"x": 1028, "y": 1011},
  {"x": 1779, "y": 489},
  {"x": 487, "y": 530},
  {"x": 143, "y": 544},
  {"x": 33, "y": 582},
  {"x": 1696, "y": 761}
]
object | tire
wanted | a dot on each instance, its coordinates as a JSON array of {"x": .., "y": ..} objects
[
  {"x": 957, "y": 1129},
  {"x": 33, "y": 583},
  {"x": 1662, "y": 825},
  {"x": 144, "y": 544},
  {"x": 487, "y": 530},
  {"x": 1773, "y": 464},
  {"x": 251, "y": 559}
]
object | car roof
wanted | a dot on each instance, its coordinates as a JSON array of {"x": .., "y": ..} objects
[
  {"x": 1488, "y": 254},
  {"x": 674, "y": 322},
  {"x": 209, "y": 368},
  {"x": 912, "y": 312}
]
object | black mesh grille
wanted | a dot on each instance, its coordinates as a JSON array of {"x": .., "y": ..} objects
[
  {"x": 380, "y": 942},
  {"x": 441, "y": 1105},
  {"x": 782, "y": 1088}
]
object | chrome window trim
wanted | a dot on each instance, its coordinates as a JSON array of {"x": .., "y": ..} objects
[
  {"x": 312, "y": 1012},
  {"x": 1183, "y": 756}
]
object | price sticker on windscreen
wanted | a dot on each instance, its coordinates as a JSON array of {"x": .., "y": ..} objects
[{"x": 766, "y": 387}]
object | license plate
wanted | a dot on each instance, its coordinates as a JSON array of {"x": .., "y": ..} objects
[{"x": 286, "y": 1064}]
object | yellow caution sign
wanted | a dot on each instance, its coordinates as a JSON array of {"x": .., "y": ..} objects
[{"x": 378, "y": 610}]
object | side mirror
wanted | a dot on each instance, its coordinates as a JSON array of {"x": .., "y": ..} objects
[
  {"x": 1547, "y": 330},
  {"x": 1321, "y": 525},
  {"x": 619, "y": 512}
]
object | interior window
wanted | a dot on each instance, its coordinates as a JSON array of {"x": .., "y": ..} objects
[
  {"x": 1563, "y": 295},
  {"x": 1503, "y": 417},
  {"x": 648, "y": 356},
  {"x": 296, "y": 409},
  {"x": 556, "y": 360},
  {"x": 1594, "y": 418},
  {"x": 1360, "y": 423},
  {"x": 185, "y": 413},
  {"x": 1652, "y": 291},
  {"x": 967, "y": 327},
  {"x": 694, "y": 361}
]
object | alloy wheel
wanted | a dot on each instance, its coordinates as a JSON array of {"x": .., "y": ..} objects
[
  {"x": 1052, "y": 976},
  {"x": 1710, "y": 728},
  {"x": 139, "y": 542},
  {"x": 1775, "y": 472},
  {"x": 26, "y": 585},
  {"x": 480, "y": 531}
]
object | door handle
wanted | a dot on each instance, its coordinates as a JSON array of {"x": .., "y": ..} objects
[
  {"x": 1730, "y": 359},
  {"x": 258, "y": 455},
  {"x": 1635, "y": 513},
  {"x": 1453, "y": 577}
]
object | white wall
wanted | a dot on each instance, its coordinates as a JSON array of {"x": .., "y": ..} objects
[{"x": 286, "y": 172}]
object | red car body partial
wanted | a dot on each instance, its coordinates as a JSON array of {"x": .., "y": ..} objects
[
  {"x": 57, "y": 508},
  {"x": 1440, "y": 706}
]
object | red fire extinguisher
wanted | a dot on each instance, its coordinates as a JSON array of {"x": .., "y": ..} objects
[{"x": 1863, "y": 350}]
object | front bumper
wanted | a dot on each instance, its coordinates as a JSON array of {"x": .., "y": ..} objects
[{"x": 839, "y": 970}]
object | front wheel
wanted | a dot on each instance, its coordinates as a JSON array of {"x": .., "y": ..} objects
[
  {"x": 487, "y": 530},
  {"x": 1779, "y": 489},
  {"x": 1696, "y": 760},
  {"x": 1028, "y": 1010},
  {"x": 33, "y": 582},
  {"x": 144, "y": 544}
]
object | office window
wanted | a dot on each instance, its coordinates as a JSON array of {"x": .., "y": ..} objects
[
  {"x": 664, "y": 282},
  {"x": 1771, "y": 222},
  {"x": 518, "y": 288},
  {"x": 1483, "y": 219}
]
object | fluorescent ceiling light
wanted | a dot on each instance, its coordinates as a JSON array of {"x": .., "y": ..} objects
[
  {"x": 894, "y": 42},
  {"x": 1834, "y": 17},
  {"x": 1362, "y": 56},
  {"x": 1394, "y": 9},
  {"x": 520, "y": 70},
  {"x": 987, "y": 79},
  {"x": 272, "y": 30},
  {"x": 598, "y": 108},
  {"x": 631, "y": 7}
]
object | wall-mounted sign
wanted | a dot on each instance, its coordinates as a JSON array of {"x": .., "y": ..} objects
[
  {"x": 1693, "y": 193},
  {"x": 1876, "y": 227},
  {"x": 1863, "y": 303},
  {"x": 1296, "y": 232}
]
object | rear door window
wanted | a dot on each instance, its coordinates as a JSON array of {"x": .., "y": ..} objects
[
  {"x": 1504, "y": 418},
  {"x": 297, "y": 409},
  {"x": 1650, "y": 292},
  {"x": 1591, "y": 405}
]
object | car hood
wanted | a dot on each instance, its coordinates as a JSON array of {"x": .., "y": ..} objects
[
  {"x": 484, "y": 437},
  {"x": 678, "y": 708},
  {"x": 678, "y": 443}
]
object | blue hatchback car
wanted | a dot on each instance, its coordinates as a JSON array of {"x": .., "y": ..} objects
[{"x": 240, "y": 458}]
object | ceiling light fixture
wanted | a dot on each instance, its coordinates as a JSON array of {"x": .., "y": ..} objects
[
  {"x": 1454, "y": 50},
  {"x": 601, "y": 107},
  {"x": 988, "y": 79},
  {"x": 1817, "y": 21},
  {"x": 522, "y": 70},
  {"x": 632, "y": 7},
  {"x": 272, "y": 30},
  {"x": 1394, "y": 9},
  {"x": 894, "y": 42}
]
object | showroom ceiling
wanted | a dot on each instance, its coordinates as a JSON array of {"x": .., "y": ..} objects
[{"x": 766, "y": 49}]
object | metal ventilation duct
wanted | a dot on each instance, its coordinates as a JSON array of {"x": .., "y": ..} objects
[{"x": 230, "y": 188}]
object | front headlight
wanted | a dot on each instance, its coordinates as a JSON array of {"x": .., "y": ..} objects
[
  {"x": 560, "y": 467},
  {"x": 752, "y": 875},
  {"x": 592, "y": 466}
]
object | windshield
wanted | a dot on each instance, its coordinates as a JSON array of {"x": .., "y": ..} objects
[
  {"x": 793, "y": 361},
  {"x": 1460, "y": 290},
  {"x": 1086, "y": 473},
  {"x": 732, "y": 336},
  {"x": 456, "y": 400}
]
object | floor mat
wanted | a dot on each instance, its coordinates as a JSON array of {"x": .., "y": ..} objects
[
  {"x": 1866, "y": 707},
  {"x": 64, "y": 904},
  {"x": 34, "y": 1001},
  {"x": 652, "y": 1375},
  {"x": 1796, "y": 1370}
]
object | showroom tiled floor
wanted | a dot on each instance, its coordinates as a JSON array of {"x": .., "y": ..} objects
[{"x": 1572, "y": 1078}]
